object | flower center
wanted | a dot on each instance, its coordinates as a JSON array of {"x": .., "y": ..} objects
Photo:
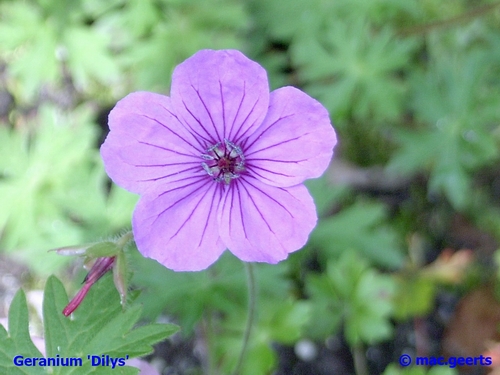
[{"x": 225, "y": 162}]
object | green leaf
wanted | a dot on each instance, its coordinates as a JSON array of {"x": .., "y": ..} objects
[
  {"x": 351, "y": 68},
  {"x": 414, "y": 297},
  {"x": 20, "y": 22},
  {"x": 84, "y": 42},
  {"x": 324, "y": 194},
  {"x": 361, "y": 228},
  {"x": 368, "y": 322},
  {"x": 165, "y": 36},
  {"x": 221, "y": 288},
  {"x": 33, "y": 76},
  {"x": 283, "y": 323},
  {"x": 451, "y": 178},
  {"x": 452, "y": 102},
  {"x": 140, "y": 16},
  {"x": 98, "y": 327},
  {"x": 351, "y": 292},
  {"x": 25, "y": 38},
  {"x": 285, "y": 20},
  {"x": 326, "y": 305},
  {"x": 45, "y": 179},
  {"x": 416, "y": 153},
  {"x": 18, "y": 340},
  {"x": 394, "y": 369}
]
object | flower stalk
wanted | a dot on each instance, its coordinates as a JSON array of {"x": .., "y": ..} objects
[{"x": 252, "y": 298}]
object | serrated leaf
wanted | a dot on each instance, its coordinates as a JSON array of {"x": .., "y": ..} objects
[
  {"x": 452, "y": 102},
  {"x": 360, "y": 228},
  {"x": 18, "y": 340},
  {"x": 20, "y": 22},
  {"x": 357, "y": 295},
  {"x": 99, "y": 325},
  {"x": 287, "y": 322},
  {"x": 453, "y": 181},
  {"x": 45, "y": 196},
  {"x": 108, "y": 335},
  {"x": 33, "y": 76},
  {"x": 84, "y": 42},
  {"x": 358, "y": 67}
]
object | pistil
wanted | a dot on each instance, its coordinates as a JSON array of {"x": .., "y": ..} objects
[{"x": 225, "y": 162}]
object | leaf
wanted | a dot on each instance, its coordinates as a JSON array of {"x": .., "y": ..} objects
[
  {"x": 353, "y": 70},
  {"x": 221, "y": 288},
  {"x": 19, "y": 22},
  {"x": 327, "y": 308},
  {"x": 285, "y": 20},
  {"x": 450, "y": 178},
  {"x": 82, "y": 43},
  {"x": 177, "y": 30},
  {"x": 361, "y": 228},
  {"x": 325, "y": 194},
  {"x": 452, "y": 100},
  {"x": 416, "y": 152},
  {"x": 393, "y": 369},
  {"x": 351, "y": 292},
  {"x": 25, "y": 37},
  {"x": 18, "y": 341},
  {"x": 98, "y": 327},
  {"x": 140, "y": 16},
  {"x": 369, "y": 321},
  {"x": 283, "y": 323},
  {"x": 45, "y": 179},
  {"x": 286, "y": 322},
  {"x": 414, "y": 297}
]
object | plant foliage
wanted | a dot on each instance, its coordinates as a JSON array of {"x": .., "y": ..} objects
[{"x": 100, "y": 326}]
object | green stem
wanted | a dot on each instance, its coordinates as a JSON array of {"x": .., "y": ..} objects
[
  {"x": 125, "y": 239},
  {"x": 210, "y": 342},
  {"x": 251, "y": 316},
  {"x": 360, "y": 365}
]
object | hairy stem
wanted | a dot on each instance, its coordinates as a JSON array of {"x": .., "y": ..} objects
[
  {"x": 125, "y": 239},
  {"x": 251, "y": 316}
]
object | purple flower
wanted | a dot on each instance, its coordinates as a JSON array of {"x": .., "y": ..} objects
[{"x": 220, "y": 163}]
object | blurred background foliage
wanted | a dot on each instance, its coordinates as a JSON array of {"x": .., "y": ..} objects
[{"x": 409, "y": 209}]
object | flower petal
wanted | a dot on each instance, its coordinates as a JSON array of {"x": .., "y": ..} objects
[
  {"x": 177, "y": 226},
  {"x": 147, "y": 145},
  {"x": 295, "y": 142},
  {"x": 220, "y": 95},
  {"x": 262, "y": 223}
]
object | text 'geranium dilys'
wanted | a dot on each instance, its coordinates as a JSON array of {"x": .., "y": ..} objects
[{"x": 220, "y": 163}]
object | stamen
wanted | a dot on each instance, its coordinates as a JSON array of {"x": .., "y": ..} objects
[{"x": 225, "y": 162}]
